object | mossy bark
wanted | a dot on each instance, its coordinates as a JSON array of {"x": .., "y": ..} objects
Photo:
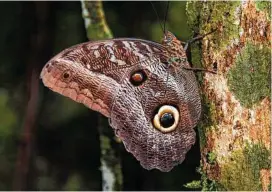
[
  {"x": 97, "y": 28},
  {"x": 235, "y": 128}
]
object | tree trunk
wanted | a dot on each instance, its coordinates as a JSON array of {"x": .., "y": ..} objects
[
  {"x": 97, "y": 28},
  {"x": 235, "y": 128}
]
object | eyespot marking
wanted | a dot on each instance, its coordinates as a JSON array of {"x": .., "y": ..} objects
[
  {"x": 66, "y": 75},
  {"x": 166, "y": 119},
  {"x": 138, "y": 77}
]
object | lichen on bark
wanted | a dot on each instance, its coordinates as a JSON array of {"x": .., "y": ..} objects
[
  {"x": 95, "y": 21},
  {"x": 242, "y": 171},
  {"x": 235, "y": 127},
  {"x": 254, "y": 63}
]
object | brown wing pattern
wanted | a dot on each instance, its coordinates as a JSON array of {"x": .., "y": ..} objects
[
  {"x": 97, "y": 74},
  {"x": 112, "y": 54}
]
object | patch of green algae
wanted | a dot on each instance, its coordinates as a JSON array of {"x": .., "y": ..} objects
[
  {"x": 209, "y": 120},
  {"x": 242, "y": 171},
  {"x": 97, "y": 27},
  {"x": 264, "y": 6},
  {"x": 223, "y": 16},
  {"x": 249, "y": 78},
  {"x": 205, "y": 184}
]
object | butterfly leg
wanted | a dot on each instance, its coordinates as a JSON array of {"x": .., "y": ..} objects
[
  {"x": 199, "y": 69},
  {"x": 188, "y": 53},
  {"x": 197, "y": 38}
]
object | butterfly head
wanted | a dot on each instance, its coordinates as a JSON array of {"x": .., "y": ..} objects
[{"x": 168, "y": 38}]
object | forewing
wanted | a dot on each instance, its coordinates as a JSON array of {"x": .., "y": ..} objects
[
  {"x": 107, "y": 55},
  {"x": 95, "y": 69}
]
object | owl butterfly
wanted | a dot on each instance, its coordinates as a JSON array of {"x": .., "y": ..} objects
[{"x": 143, "y": 87}]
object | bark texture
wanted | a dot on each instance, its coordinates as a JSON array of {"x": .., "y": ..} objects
[{"x": 235, "y": 128}]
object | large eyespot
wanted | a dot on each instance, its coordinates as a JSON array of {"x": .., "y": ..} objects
[
  {"x": 138, "y": 77},
  {"x": 166, "y": 119}
]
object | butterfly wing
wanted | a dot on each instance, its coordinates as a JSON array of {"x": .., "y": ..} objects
[
  {"x": 133, "y": 110},
  {"x": 87, "y": 72},
  {"x": 100, "y": 56},
  {"x": 97, "y": 75}
]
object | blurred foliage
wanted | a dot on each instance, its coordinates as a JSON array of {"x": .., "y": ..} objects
[
  {"x": 8, "y": 121},
  {"x": 8, "y": 117},
  {"x": 66, "y": 154},
  {"x": 204, "y": 184}
]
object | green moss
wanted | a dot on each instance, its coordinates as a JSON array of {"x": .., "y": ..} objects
[
  {"x": 94, "y": 32},
  {"x": 211, "y": 158},
  {"x": 205, "y": 184},
  {"x": 210, "y": 185},
  {"x": 97, "y": 27},
  {"x": 264, "y": 6},
  {"x": 202, "y": 137},
  {"x": 257, "y": 157},
  {"x": 209, "y": 120},
  {"x": 242, "y": 170},
  {"x": 196, "y": 54},
  {"x": 196, "y": 184},
  {"x": 249, "y": 78},
  {"x": 236, "y": 174},
  {"x": 214, "y": 15},
  {"x": 193, "y": 10}
]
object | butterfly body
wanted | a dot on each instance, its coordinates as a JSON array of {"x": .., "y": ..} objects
[{"x": 134, "y": 83}]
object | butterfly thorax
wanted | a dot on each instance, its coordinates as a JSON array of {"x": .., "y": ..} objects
[{"x": 175, "y": 51}]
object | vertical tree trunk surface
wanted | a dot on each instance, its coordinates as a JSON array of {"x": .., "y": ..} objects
[{"x": 235, "y": 131}]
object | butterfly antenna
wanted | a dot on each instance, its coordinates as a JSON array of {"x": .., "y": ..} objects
[
  {"x": 157, "y": 15},
  {"x": 165, "y": 16}
]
